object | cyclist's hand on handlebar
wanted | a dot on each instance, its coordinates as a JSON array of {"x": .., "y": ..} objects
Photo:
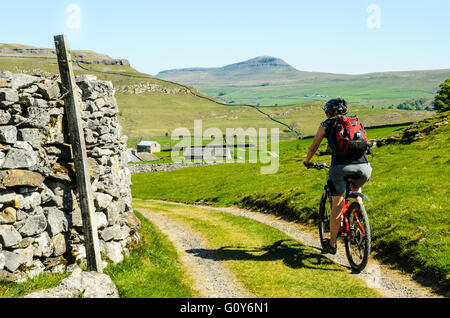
[{"x": 308, "y": 165}]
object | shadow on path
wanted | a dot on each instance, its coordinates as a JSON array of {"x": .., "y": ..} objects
[{"x": 293, "y": 255}]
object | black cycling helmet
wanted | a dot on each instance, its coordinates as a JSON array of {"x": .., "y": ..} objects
[{"x": 336, "y": 106}]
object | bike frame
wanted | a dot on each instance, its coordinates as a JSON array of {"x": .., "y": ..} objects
[
  {"x": 345, "y": 225},
  {"x": 344, "y": 216}
]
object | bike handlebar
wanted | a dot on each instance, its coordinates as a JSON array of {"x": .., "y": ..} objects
[{"x": 320, "y": 166}]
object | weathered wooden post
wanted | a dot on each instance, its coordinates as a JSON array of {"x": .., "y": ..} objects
[{"x": 73, "y": 113}]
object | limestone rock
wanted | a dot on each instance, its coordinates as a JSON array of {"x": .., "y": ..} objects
[
  {"x": 76, "y": 219},
  {"x": 38, "y": 117},
  {"x": 57, "y": 221},
  {"x": 100, "y": 220},
  {"x": 102, "y": 200},
  {"x": 18, "y": 257},
  {"x": 42, "y": 245},
  {"x": 111, "y": 233},
  {"x": 9, "y": 236},
  {"x": 2, "y": 262},
  {"x": 8, "y": 96},
  {"x": 81, "y": 284},
  {"x": 49, "y": 90},
  {"x": 15, "y": 177},
  {"x": 8, "y": 134},
  {"x": 113, "y": 211},
  {"x": 27, "y": 241},
  {"x": 20, "y": 158},
  {"x": 34, "y": 224},
  {"x": 7, "y": 196},
  {"x": 59, "y": 244},
  {"x": 31, "y": 135},
  {"x": 8, "y": 216},
  {"x": 18, "y": 81},
  {"x": 5, "y": 117},
  {"x": 4, "y": 83},
  {"x": 113, "y": 251},
  {"x": 28, "y": 201},
  {"x": 133, "y": 222}
]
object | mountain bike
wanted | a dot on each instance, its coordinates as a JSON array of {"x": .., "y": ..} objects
[{"x": 354, "y": 224}]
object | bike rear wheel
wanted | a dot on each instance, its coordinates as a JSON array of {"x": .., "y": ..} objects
[
  {"x": 357, "y": 242},
  {"x": 324, "y": 217}
]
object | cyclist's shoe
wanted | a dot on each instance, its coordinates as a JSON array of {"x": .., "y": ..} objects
[{"x": 328, "y": 248}]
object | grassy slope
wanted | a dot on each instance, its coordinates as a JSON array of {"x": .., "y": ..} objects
[
  {"x": 409, "y": 191},
  {"x": 381, "y": 92}
]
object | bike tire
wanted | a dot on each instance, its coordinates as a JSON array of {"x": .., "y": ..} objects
[
  {"x": 324, "y": 217},
  {"x": 359, "y": 239}
]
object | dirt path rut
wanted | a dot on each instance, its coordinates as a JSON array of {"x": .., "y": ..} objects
[{"x": 211, "y": 279}]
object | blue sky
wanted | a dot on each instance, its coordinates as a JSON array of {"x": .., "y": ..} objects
[{"x": 326, "y": 36}]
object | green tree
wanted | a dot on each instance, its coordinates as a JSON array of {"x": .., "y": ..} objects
[{"x": 442, "y": 99}]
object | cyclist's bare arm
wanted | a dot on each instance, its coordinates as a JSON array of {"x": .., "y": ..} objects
[{"x": 315, "y": 145}]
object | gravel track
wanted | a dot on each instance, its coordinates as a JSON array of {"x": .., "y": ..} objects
[
  {"x": 390, "y": 283},
  {"x": 211, "y": 279}
]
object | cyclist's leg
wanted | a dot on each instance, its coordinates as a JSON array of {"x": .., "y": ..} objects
[
  {"x": 337, "y": 186},
  {"x": 335, "y": 224}
]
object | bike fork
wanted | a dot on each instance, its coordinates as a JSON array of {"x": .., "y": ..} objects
[{"x": 344, "y": 230}]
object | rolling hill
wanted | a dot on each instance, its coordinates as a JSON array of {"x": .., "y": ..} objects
[
  {"x": 257, "y": 71},
  {"x": 269, "y": 81},
  {"x": 150, "y": 106}
]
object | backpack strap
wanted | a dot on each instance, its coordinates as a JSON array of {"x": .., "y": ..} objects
[{"x": 370, "y": 151}]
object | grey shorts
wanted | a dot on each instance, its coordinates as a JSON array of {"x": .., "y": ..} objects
[{"x": 336, "y": 177}]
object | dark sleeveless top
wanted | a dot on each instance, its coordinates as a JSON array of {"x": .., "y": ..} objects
[{"x": 336, "y": 160}]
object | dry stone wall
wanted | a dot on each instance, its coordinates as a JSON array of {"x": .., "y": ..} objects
[{"x": 40, "y": 218}]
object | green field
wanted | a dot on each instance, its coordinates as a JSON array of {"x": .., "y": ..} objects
[
  {"x": 363, "y": 90},
  {"x": 409, "y": 191}
]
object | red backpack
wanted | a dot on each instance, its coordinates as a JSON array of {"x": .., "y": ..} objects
[{"x": 351, "y": 138}]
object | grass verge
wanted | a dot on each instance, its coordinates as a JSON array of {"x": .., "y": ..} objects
[{"x": 41, "y": 282}]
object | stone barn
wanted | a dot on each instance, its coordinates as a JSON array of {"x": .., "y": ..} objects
[{"x": 148, "y": 146}]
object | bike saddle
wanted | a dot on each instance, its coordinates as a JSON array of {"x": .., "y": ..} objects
[
  {"x": 358, "y": 194},
  {"x": 352, "y": 176}
]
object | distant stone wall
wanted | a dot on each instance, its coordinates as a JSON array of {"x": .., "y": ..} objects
[
  {"x": 146, "y": 168},
  {"x": 40, "y": 218}
]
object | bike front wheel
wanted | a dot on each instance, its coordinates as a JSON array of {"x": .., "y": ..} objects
[
  {"x": 324, "y": 217},
  {"x": 358, "y": 240}
]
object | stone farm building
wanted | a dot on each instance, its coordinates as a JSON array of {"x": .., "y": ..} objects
[{"x": 148, "y": 146}]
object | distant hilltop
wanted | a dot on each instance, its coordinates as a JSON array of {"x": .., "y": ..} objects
[
  {"x": 267, "y": 69},
  {"x": 257, "y": 64},
  {"x": 87, "y": 57}
]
